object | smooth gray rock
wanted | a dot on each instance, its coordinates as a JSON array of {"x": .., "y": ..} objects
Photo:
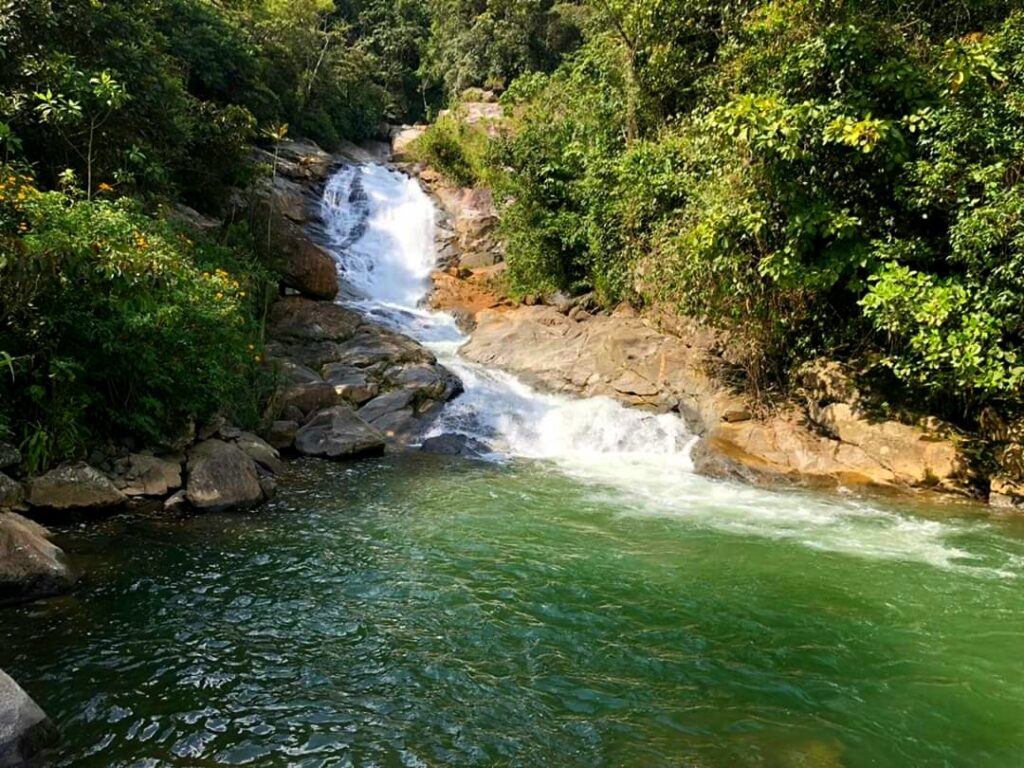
[
  {"x": 351, "y": 383},
  {"x": 30, "y": 566},
  {"x": 392, "y": 402},
  {"x": 221, "y": 476},
  {"x": 74, "y": 486},
  {"x": 338, "y": 433},
  {"x": 25, "y": 730}
]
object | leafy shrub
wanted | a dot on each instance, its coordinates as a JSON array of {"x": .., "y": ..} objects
[
  {"x": 455, "y": 149},
  {"x": 117, "y": 322}
]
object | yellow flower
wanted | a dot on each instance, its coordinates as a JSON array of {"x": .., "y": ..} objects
[
  {"x": 219, "y": 296},
  {"x": 241, "y": 295},
  {"x": 104, "y": 187}
]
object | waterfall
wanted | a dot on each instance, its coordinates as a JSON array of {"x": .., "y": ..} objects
[{"x": 380, "y": 226}]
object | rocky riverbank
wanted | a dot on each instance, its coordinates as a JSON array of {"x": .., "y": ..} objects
[{"x": 825, "y": 433}]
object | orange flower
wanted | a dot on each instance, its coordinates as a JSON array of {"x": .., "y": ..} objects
[{"x": 104, "y": 187}]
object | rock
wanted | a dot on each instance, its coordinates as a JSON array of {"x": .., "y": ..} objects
[
  {"x": 9, "y": 456},
  {"x": 630, "y": 360},
  {"x": 151, "y": 476},
  {"x": 384, "y": 405},
  {"x": 426, "y": 381},
  {"x": 12, "y": 495},
  {"x": 293, "y": 414},
  {"x": 211, "y": 428},
  {"x": 309, "y": 269},
  {"x": 351, "y": 383},
  {"x": 288, "y": 198},
  {"x": 294, "y": 373},
  {"x": 261, "y": 452},
  {"x": 176, "y": 501},
  {"x": 473, "y": 218},
  {"x": 301, "y": 161},
  {"x": 25, "y": 730},
  {"x": 269, "y": 486},
  {"x": 404, "y": 138},
  {"x": 194, "y": 219},
  {"x": 1006, "y": 493},
  {"x": 912, "y": 455},
  {"x": 30, "y": 566},
  {"x": 74, "y": 486},
  {"x": 308, "y": 398},
  {"x": 735, "y": 415},
  {"x": 221, "y": 476},
  {"x": 281, "y": 434},
  {"x": 338, "y": 433},
  {"x": 452, "y": 444},
  {"x": 299, "y": 319}
]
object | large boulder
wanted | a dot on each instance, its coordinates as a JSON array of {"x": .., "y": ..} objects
[
  {"x": 73, "y": 487},
  {"x": 221, "y": 476},
  {"x": 338, "y": 433},
  {"x": 306, "y": 266},
  {"x": 25, "y": 730},
  {"x": 30, "y": 566}
]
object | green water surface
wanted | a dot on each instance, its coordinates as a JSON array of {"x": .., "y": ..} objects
[{"x": 416, "y": 611}]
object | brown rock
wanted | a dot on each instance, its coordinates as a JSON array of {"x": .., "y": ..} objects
[
  {"x": 151, "y": 476},
  {"x": 72, "y": 487},
  {"x": 221, "y": 476},
  {"x": 30, "y": 566}
]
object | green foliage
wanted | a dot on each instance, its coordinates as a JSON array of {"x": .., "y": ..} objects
[
  {"x": 489, "y": 43},
  {"x": 455, "y": 149},
  {"x": 838, "y": 178},
  {"x": 115, "y": 322}
]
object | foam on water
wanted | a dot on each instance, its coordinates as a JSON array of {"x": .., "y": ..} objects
[{"x": 381, "y": 226}]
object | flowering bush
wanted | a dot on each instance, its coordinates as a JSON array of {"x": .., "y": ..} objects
[{"x": 116, "y": 320}]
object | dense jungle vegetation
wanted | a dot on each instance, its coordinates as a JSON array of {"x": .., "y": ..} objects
[
  {"x": 817, "y": 177},
  {"x": 114, "y": 320}
]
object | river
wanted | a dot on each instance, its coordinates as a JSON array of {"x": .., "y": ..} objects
[{"x": 579, "y": 598}]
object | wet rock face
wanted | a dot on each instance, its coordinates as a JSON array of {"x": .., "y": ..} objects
[
  {"x": 30, "y": 566},
  {"x": 25, "y": 730},
  {"x": 74, "y": 487},
  {"x": 221, "y": 476}
]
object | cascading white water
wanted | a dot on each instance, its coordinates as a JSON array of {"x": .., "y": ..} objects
[{"x": 380, "y": 225}]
